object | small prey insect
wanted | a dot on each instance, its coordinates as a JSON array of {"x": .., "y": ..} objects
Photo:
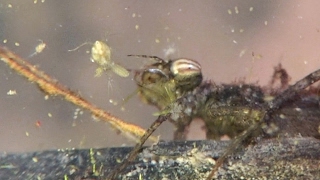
[
  {"x": 38, "y": 49},
  {"x": 101, "y": 54}
]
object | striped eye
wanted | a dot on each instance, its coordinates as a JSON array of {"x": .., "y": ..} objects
[
  {"x": 185, "y": 67},
  {"x": 186, "y": 73}
]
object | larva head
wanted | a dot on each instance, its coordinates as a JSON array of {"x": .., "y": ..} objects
[
  {"x": 155, "y": 87},
  {"x": 163, "y": 82},
  {"x": 186, "y": 73}
]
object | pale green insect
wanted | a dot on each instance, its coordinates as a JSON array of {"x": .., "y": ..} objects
[{"x": 101, "y": 54}]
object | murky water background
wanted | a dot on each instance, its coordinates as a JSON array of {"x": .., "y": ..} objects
[{"x": 222, "y": 36}]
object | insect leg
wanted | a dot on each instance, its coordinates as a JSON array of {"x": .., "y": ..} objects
[{"x": 151, "y": 57}]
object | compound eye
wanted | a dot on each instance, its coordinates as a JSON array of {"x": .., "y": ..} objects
[
  {"x": 185, "y": 67},
  {"x": 149, "y": 76},
  {"x": 187, "y": 73}
]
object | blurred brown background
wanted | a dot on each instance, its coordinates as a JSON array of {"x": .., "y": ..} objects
[{"x": 220, "y": 35}]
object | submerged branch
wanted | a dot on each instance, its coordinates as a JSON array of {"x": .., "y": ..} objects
[
  {"x": 285, "y": 158},
  {"x": 54, "y": 88}
]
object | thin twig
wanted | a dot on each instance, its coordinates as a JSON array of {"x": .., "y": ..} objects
[
  {"x": 53, "y": 88},
  {"x": 271, "y": 107}
]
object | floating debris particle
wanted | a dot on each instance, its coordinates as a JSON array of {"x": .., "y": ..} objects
[
  {"x": 5, "y": 41},
  {"x": 170, "y": 50},
  {"x": 115, "y": 103},
  {"x": 38, "y": 124},
  {"x": 265, "y": 22},
  {"x": 236, "y": 10},
  {"x": 35, "y": 159},
  {"x": 46, "y": 97},
  {"x": 74, "y": 123},
  {"x": 76, "y": 113},
  {"x": 251, "y": 9},
  {"x": 36, "y": 1},
  {"x": 17, "y": 44},
  {"x": 229, "y": 11},
  {"x": 242, "y": 52},
  {"x": 11, "y": 92}
]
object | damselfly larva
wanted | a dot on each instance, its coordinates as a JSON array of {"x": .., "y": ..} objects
[{"x": 101, "y": 54}]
